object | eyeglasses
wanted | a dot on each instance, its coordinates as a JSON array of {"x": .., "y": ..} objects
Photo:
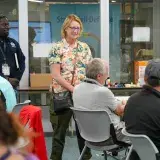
[
  {"x": 75, "y": 28},
  {"x": 4, "y": 25}
]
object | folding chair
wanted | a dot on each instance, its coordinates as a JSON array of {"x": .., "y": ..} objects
[
  {"x": 21, "y": 141},
  {"x": 143, "y": 145},
  {"x": 18, "y": 107},
  {"x": 96, "y": 128}
]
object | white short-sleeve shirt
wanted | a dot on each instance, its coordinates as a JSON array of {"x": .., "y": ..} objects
[{"x": 95, "y": 96}]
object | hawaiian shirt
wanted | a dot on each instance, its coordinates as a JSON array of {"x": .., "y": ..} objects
[{"x": 70, "y": 60}]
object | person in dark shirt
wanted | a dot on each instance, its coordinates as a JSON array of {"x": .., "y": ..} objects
[
  {"x": 142, "y": 111},
  {"x": 2, "y": 100},
  {"x": 12, "y": 60}
]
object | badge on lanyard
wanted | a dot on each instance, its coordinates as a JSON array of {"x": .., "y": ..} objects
[{"x": 5, "y": 69}]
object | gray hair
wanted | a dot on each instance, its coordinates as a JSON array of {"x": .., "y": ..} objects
[{"x": 95, "y": 67}]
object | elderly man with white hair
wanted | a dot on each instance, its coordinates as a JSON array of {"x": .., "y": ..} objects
[{"x": 92, "y": 94}]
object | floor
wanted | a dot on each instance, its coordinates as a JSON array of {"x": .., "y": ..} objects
[{"x": 71, "y": 150}]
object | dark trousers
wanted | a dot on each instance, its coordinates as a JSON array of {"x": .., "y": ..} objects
[
  {"x": 134, "y": 156},
  {"x": 81, "y": 144},
  {"x": 60, "y": 124}
]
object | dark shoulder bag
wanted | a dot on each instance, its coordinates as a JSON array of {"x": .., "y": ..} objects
[{"x": 63, "y": 101}]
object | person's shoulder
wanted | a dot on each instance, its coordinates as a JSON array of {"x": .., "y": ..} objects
[
  {"x": 17, "y": 157},
  {"x": 2, "y": 79},
  {"x": 134, "y": 97},
  {"x": 79, "y": 86},
  {"x": 12, "y": 40},
  {"x": 31, "y": 157},
  {"x": 4, "y": 82},
  {"x": 103, "y": 89},
  {"x": 57, "y": 44},
  {"x": 83, "y": 44}
]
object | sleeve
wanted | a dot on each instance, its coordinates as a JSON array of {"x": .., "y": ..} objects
[
  {"x": 54, "y": 56},
  {"x": 21, "y": 60},
  {"x": 89, "y": 55},
  {"x": 10, "y": 97}
]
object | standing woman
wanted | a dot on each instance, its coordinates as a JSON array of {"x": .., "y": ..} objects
[{"x": 66, "y": 56}]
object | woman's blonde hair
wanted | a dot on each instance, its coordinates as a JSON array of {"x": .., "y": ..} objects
[{"x": 67, "y": 23}]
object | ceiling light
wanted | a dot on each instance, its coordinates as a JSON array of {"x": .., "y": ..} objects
[
  {"x": 37, "y": 1},
  {"x": 113, "y": 1}
]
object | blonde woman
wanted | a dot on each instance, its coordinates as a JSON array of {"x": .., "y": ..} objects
[{"x": 66, "y": 56}]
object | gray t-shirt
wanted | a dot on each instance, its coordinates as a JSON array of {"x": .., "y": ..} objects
[{"x": 95, "y": 96}]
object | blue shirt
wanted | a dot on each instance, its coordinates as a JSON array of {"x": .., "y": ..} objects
[{"x": 9, "y": 94}]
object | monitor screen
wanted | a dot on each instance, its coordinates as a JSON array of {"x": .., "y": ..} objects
[
  {"x": 42, "y": 31},
  {"x": 141, "y": 34}
]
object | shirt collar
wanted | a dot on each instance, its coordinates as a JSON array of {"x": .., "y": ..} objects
[
  {"x": 151, "y": 90},
  {"x": 66, "y": 45},
  {"x": 2, "y": 40},
  {"x": 93, "y": 81}
]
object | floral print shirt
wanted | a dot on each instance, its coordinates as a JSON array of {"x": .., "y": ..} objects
[{"x": 67, "y": 57}]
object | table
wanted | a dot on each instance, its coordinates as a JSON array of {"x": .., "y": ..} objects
[
  {"x": 120, "y": 98},
  {"x": 120, "y": 92},
  {"x": 27, "y": 91},
  {"x": 34, "y": 90},
  {"x": 46, "y": 89}
]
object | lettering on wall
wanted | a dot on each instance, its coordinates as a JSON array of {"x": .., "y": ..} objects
[{"x": 84, "y": 19}]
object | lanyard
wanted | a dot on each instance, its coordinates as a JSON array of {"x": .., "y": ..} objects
[{"x": 3, "y": 54}]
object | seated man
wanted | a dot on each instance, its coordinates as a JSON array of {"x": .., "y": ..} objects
[
  {"x": 9, "y": 94},
  {"x": 142, "y": 111},
  {"x": 91, "y": 94}
]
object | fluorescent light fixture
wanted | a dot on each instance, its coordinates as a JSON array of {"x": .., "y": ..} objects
[
  {"x": 141, "y": 34},
  {"x": 113, "y": 1},
  {"x": 36, "y": 1}
]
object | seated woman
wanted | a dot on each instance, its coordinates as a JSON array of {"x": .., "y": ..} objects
[{"x": 10, "y": 131}]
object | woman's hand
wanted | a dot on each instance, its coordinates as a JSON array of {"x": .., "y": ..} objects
[{"x": 71, "y": 89}]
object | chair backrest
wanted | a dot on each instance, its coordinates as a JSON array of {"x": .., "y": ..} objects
[
  {"x": 18, "y": 107},
  {"x": 142, "y": 144},
  {"x": 93, "y": 125}
]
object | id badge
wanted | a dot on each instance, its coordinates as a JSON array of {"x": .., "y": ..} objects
[{"x": 5, "y": 69}]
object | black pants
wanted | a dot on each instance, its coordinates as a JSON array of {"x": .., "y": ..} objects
[
  {"x": 81, "y": 144},
  {"x": 134, "y": 156},
  {"x": 60, "y": 124}
]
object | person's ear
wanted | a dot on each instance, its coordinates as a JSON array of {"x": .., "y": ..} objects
[{"x": 98, "y": 76}]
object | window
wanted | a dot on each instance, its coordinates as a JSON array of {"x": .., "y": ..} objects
[
  {"x": 132, "y": 37},
  {"x": 45, "y": 22}
]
